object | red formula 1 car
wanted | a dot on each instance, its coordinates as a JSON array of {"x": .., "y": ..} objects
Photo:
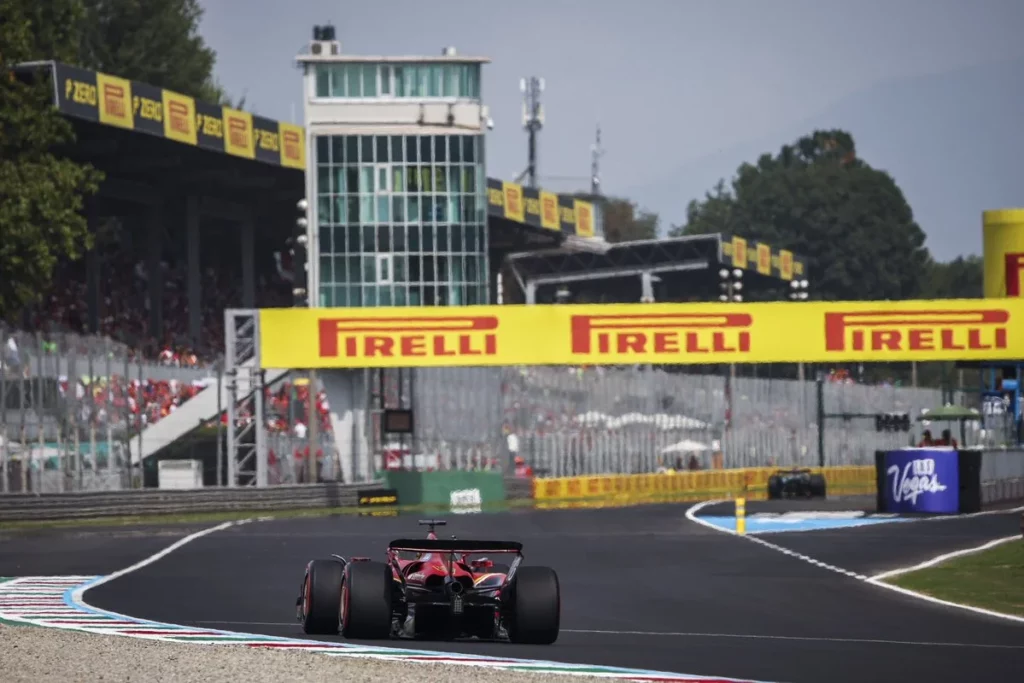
[{"x": 433, "y": 589}]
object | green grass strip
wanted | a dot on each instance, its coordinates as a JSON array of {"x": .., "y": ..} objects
[{"x": 992, "y": 579}]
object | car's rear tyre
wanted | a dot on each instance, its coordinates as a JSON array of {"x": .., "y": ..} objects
[
  {"x": 536, "y": 606},
  {"x": 774, "y": 487},
  {"x": 817, "y": 485},
  {"x": 321, "y": 595},
  {"x": 366, "y": 608}
]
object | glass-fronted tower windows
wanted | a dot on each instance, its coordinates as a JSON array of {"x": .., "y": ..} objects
[
  {"x": 400, "y": 80},
  {"x": 402, "y": 220}
]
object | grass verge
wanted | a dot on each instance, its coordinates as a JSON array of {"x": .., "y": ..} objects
[{"x": 992, "y": 579}]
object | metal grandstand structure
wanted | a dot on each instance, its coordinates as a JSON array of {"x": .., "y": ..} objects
[{"x": 247, "y": 463}]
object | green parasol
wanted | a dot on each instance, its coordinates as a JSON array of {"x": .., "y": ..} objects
[{"x": 949, "y": 413}]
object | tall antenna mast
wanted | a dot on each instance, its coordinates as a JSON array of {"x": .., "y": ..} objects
[
  {"x": 533, "y": 121},
  {"x": 596, "y": 152}
]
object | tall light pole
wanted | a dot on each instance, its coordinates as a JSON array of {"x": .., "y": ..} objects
[
  {"x": 303, "y": 297},
  {"x": 798, "y": 292},
  {"x": 731, "y": 286},
  {"x": 533, "y": 121},
  {"x": 596, "y": 152}
]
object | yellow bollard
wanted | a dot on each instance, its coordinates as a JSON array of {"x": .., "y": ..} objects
[{"x": 741, "y": 516}]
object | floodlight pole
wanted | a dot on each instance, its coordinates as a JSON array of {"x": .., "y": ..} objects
[
  {"x": 731, "y": 285},
  {"x": 798, "y": 292},
  {"x": 533, "y": 121},
  {"x": 314, "y": 427}
]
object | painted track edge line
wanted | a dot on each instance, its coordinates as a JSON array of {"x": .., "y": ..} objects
[
  {"x": 384, "y": 652},
  {"x": 691, "y": 515},
  {"x": 74, "y": 597},
  {"x": 929, "y": 518},
  {"x": 873, "y": 581},
  {"x": 939, "y": 559}
]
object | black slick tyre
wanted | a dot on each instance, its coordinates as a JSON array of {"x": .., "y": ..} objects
[
  {"x": 817, "y": 486},
  {"x": 321, "y": 596},
  {"x": 366, "y": 608},
  {"x": 774, "y": 487},
  {"x": 536, "y": 606}
]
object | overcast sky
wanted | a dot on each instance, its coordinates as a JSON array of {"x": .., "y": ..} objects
[{"x": 684, "y": 90}]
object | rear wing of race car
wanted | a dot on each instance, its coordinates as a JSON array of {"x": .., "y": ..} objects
[
  {"x": 451, "y": 548},
  {"x": 421, "y": 545}
]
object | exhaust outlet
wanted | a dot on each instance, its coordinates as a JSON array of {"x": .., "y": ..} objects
[{"x": 455, "y": 587}]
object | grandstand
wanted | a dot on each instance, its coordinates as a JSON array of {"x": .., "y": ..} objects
[{"x": 195, "y": 216}]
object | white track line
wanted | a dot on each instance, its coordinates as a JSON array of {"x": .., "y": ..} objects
[
  {"x": 699, "y": 634},
  {"x": 77, "y": 595},
  {"x": 691, "y": 514},
  {"x": 741, "y": 636},
  {"x": 938, "y": 518},
  {"x": 948, "y": 556}
]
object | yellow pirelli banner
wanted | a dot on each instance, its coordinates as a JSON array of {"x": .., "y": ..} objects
[
  {"x": 751, "y": 483},
  {"x": 1003, "y": 232},
  {"x": 680, "y": 334},
  {"x": 131, "y": 105}
]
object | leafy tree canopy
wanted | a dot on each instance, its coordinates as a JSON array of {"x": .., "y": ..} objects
[
  {"x": 623, "y": 222},
  {"x": 819, "y": 199},
  {"x": 961, "y": 278},
  {"x": 153, "y": 41},
  {"x": 41, "y": 195}
]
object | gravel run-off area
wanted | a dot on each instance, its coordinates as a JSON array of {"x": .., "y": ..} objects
[{"x": 40, "y": 655}]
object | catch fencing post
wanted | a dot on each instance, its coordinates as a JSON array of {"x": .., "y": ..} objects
[{"x": 820, "y": 401}]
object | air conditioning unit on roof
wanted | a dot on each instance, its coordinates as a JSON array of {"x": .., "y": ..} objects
[
  {"x": 324, "y": 42},
  {"x": 325, "y": 47}
]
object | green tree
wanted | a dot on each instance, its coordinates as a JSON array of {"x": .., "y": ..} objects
[
  {"x": 715, "y": 213},
  {"x": 961, "y": 278},
  {"x": 41, "y": 194},
  {"x": 153, "y": 41},
  {"x": 624, "y": 223},
  {"x": 817, "y": 198}
]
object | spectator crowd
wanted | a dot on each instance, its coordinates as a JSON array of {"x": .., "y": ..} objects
[
  {"x": 124, "y": 315},
  {"x": 124, "y": 305},
  {"x": 125, "y": 405}
]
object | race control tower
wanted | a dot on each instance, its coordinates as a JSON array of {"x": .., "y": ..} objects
[
  {"x": 395, "y": 213},
  {"x": 395, "y": 178}
]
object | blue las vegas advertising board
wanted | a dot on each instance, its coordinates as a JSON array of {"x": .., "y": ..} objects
[{"x": 922, "y": 480}]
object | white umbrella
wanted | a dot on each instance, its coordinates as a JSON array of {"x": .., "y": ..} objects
[{"x": 686, "y": 446}]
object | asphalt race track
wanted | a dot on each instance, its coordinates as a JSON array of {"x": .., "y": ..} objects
[
  {"x": 882, "y": 547},
  {"x": 83, "y": 551},
  {"x": 641, "y": 587}
]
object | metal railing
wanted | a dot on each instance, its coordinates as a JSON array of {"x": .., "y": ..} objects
[
  {"x": 70, "y": 405},
  {"x": 137, "y": 503},
  {"x": 1002, "y": 475},
  {"x": 615, "y": 420},
  {"x": 67, "y": 423},
  {"x": 89, "y": 505}
]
